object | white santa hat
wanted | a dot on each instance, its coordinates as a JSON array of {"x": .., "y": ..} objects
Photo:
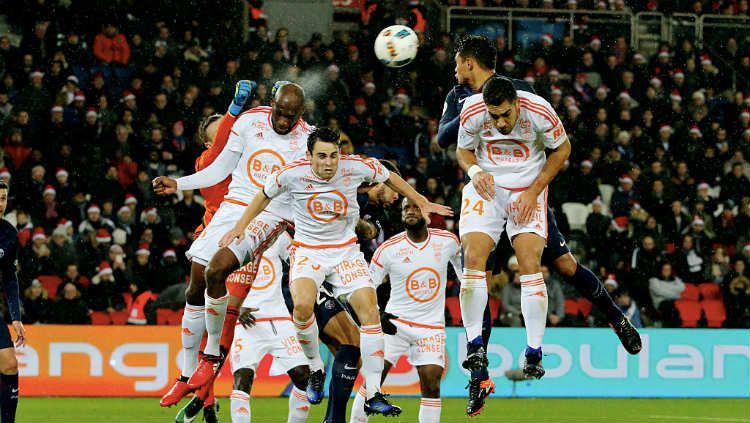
[
  {"x": 57, "y": 108},
  {"x": 61, "y": 172},
  {"x": 694, "y": 130},
  {"x": 705, "y": 59},
  {"x": 93, "y": 208},
  {"x": 169, "y": 252},
  {"x": 666, "y": 128},
  {"x": 130, "y": 199},
  {"x": 625, "y": 179},
  {"x": 556, "y": 90},
  {"x": 548, "y": 38},
  {"x": 703, "y": 185},
  {"x": 49, "y": 189},
  {"x": 675, "y": 95}
]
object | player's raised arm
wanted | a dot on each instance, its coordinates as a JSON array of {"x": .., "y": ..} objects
[
  {"x": 259, "y": 203},
  {"x": 398, "y": 184},
  {"x": 210, "y": 176}
]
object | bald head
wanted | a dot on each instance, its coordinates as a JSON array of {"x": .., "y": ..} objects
[{"x": 288, "y": 105}]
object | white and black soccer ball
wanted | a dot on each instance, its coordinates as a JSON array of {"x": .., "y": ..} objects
[{"x": 396, "y": 46}]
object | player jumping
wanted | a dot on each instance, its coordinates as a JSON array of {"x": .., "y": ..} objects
[
  {"x": 8, "y": 362},
  {"x": 475, "y": 64},
  {"x": 416, "y": 263},
  {"x": 323, "y": 188}
]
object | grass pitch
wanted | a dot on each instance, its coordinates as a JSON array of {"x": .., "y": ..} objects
[{"x": 120, "y": 410}]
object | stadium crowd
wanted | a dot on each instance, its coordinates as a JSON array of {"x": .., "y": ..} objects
[{"x": 92, "y": 110}]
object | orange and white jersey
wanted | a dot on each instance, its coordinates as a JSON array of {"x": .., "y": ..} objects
[
  {"x": 418, "y": 275},
  {"x": 263, "y": 151},
  {"x": 325, "y": 212},
  {"x": 265, "y": 293},
  {"x": 516, "y": 159}
]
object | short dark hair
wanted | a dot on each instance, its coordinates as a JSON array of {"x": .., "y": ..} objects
[
  {"x": 390, "y": 166},
  {"x": 479, "y": 48},
  {"x": 497, "y": 90},
  {"x": 324, "y": 134}
]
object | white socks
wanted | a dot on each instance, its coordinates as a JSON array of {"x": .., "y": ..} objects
[
  {"x": 534, "y": 308},
  {"x": 307, "y": 334},
  {"x": 473, "y": 298},
  {"x": 298, "y": 406},
  {"x": 372, "y": 345},
  {"x": 193, "y": 327},
  {"x": 429, "y": 410},
  {"x": 240, "y": 407},
  {"x": 358, "y": 407},
  {"x": 216, "y": 310}
]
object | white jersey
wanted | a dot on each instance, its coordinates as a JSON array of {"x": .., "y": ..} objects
[
  {"x": 325, "y": 212},
  {"x": 418, "y": 275},
  {"x": 265, "y": 293},
  {"x": 516, "y": 159},
  {"x": 263, "y": 151}
]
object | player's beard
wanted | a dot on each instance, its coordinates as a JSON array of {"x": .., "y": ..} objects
[{"x": 416, "y": 226}]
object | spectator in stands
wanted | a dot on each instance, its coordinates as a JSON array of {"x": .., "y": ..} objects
[
  {"x": 737, "y": 296},
  {"x": 141, "y": 310},
  {"x": 645, "y": 262},
  {"x": 36, "y": 305},
  {"x": 665, "y": 288},
  {"x": 677, "y": 222},
  {"x": 556, "y": 306},
  {"x": 72, "y": 276},
  {"x": 629, "y": 307},
  {"x": 510, "y": 314},
  {"x": 70, "y": 309},
  {"x": 735, "y": 185},
  {"x": 690, "y": 264},
  {"x": 35, "y": 259},
  {"x": 624, "y": 198},
  {"x": 62, "y": 250},
  {"x": 105, "y": 293},
  {"x": 597, "y": 227}
]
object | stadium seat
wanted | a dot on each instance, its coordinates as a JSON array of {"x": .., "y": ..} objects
[
  {"x": 715, "y": 311},
  {"x": 691, "y": 292},
  {"x": 495, "y": 305},
  {"x": 585, "y": 306},
  {"x": 576, "y": 214},
  {"x": 163, "y": 316},
  {"x": 690, "y": 312},
  {"x": 100, "y": 318},
  {"x": 119, "y": 317},
  {"x": 571, "y": 307},
  {"x": 50, "y": 283},
  {"x": 710, "y": 291},
  {"x": 606, "y": 190},
  {"x": 453, "y": 305}
]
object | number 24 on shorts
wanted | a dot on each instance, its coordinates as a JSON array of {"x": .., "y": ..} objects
[{"x": 478, "y": 207}]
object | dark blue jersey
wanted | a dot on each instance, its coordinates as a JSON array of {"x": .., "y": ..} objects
[
  {"x": 454, "y": 102},
  {"x": 8, "y": 256}
]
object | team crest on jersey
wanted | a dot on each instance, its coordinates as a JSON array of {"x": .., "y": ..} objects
[
  {"x": 507, "y": 151},
  {"x": 423, "y": 284},
  {"x": 261, "y": 164},
  {"x": 487, "y": 124},
  {"x": 525, "y": 123},
  {"x": 258, "y": 125},
  {"x": 327, "y": 206}
]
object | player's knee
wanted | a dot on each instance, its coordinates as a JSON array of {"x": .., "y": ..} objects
[
  {"x": 243, "y": 380},
  {"x": 431, "y": 387},
  {"x": 194, "y": 295},
  {"x": 9, "y": 365},
  {"x": 299, "y": 376},
  {"x": 475, "y": 258},
  {"x": 566, "y": 265},
  {"x": 303, "y": 311}
]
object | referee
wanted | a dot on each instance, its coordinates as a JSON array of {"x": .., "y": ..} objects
[{"x": 8, "y": 363}]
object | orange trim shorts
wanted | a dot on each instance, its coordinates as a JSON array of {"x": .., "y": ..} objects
[
  {"x": 344, "y": 268},
  {"x": 421, "y": 344}
]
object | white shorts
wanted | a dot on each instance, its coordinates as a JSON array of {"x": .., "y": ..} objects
[
  {"x": 260, "y": 234},
  {"x": 421, "y": 345},
  {"x": 275, "y": 337},
  {"x": 344, "y": 268},
  {"x": 492, "y": 217}
]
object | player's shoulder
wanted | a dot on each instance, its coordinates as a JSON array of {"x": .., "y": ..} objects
[
  {"x": 303, "y": 127},
  {"x": 258, "y": 114},
  {"x": 393, "y": 241},
  {"x": 459, "y": 92},
  {"x": 443, "y": 233},
  {"x": 473, "y": 109},
  {"x": 537, "y": 108},
  {"x": 7, "y": 228},
  {"x": 300, "y": 164}
]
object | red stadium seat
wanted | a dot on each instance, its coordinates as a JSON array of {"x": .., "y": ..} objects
[
  {"x": 454, "y": 308},
  {"x": 495, "y": 305},
  {"x": 691, "y": 292},
  {"x": 119, "y": 317},
  {"x": 571, "y": 307},
  {"x": 716, "y": 314},
  {"x": 163, "y": 316},
  {"x": 585, "y": 306},
  {"x": 50, "y": 283},
  {"x": 690, "y": 312},
  {"x": 710, "y": 291},
  {"x": 100, "y": 318}
]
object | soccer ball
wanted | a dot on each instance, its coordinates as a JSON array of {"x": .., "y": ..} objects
[{"x": 396, "y": 46}]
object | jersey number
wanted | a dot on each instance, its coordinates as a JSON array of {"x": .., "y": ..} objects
[{"x": 478, "y": 207}]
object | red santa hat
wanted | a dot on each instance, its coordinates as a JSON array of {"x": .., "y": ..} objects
[
  {"x": 39, "y": 234},
  {"x": 611, "y": 280},
  {"x": 169, "y": 252},
  {"x": 705, "y": 59},
  {"x": 664, "y": 54},
  {"x": 36, "y": 74},
  {"x": 694, "y": 130},
  {"x": 746, "y": 247},
  {"x": 703, "y": 185},
  {"x": 4, "y": 172},
  {"x": 61, "y": 172},
  {"x": 49, "y": 189},
  {"x": 123, "y": 209},
  {"x": 143, "y": 250},
  {"x": 745, "y": 113},
  {"x": 665, "y": 127},
  {"x": 620, "y": 223},
  {"x": 73, "y": 79},
  {"x": 359, "y": 101},
  {"x": 638, "y": 57},
  {"x": 65, "y": 223},
  {"x": 529, "y": 77},
  {"x": 698, "y": 221},
  {"x": 130, "y": 199},
  {"x": 151, "y": 211},
  {"x": 57, "y": 108},
  {"x": 104, "y": 269},
  {"x": 624, "y": 94},
  {"x": 127, "y": 95},
  {"x": 509, "y": 63},
  {"x": 595, "y": 41},
  {"x": 79, "y": 96},
  {"x": 678, "y": 73},
  {"x": 675, "y": 95},
  {"x": 655, "y": 81},
  {"x": 91, "y": 111},
  {"x": 625, "y": 179},
  {"x": 102, "y": 235},
  {"x": 555, "y": 90},
  {"x": 587, "y": 163},
  {"x": 548, "y": 38},
  {"x": 93, "y": 208},
  {"x": 554, "y": 72}
]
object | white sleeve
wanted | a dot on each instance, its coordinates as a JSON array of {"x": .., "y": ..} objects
[
  {"x": 275, "y": 185},
  {"x": 549, "y": 125},
  {"x": 378, "y": 272},
  {"x": 469, "y": 128},
  {"x": 213, "y": 174},
  {"x": 285, "y": 244},
  {"x": 375, "y": 171},
  {"x": 455, "y": 261}
]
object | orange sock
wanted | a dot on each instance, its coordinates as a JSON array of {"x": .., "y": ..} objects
[{"x": 227, "y": 332}]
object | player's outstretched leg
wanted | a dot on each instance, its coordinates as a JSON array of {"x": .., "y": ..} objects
[
  {"x": 344, "y": 373},
  {"x": 193, "y": 328},
  {"x": 304, "y": 294},
  {"x": 372, "y": 347},
  {"x": 588, "y": 285},
  {"x": 528, "y": 247},
  {"x": 223, "y": 263}
]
